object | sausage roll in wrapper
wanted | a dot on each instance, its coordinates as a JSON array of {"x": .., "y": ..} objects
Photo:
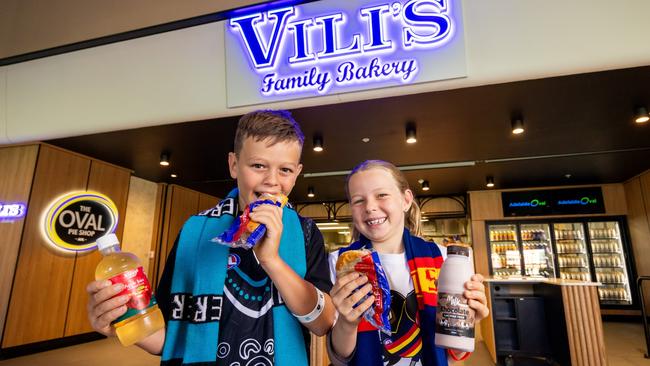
[
  {"x": 366, "y": 262},
  {"x": 244, "y": 232}
]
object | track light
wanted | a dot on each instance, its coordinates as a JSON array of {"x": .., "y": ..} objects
[
  {"x": 310, "y": 192},
  {"x": 164, "y": 159},
  {"x": 174, "y": 175},
  {"x": 641, "y": 115},
  {"x": 425, "y": 185},
  {"x": 517, "y": 126},
  {"x": 318, "y": 143},
  {"x": 410, "y": 133},
  {"x": 489, "y": 182}
]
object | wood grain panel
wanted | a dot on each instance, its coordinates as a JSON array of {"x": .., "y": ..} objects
[
  {"x": 156, "y": 240},
  {"x": 636, "y": 195},
  {"x": 181, "y": 204},
  {"x": 485, "y": 205},
  {"x": 18, "y": 164},
  {"x": 207, "y": 201},
  {"x": 441, "y": 205},
  {"x": 614, "y": 198},
  {"x": 114, "y": 183},
  {"x": 314, "y": 211},
  {"x": 318, "y": 351},
  {"x": 39, "y": 298},
  {"x": 480, "y": 246},
  {"x": 487, "y": 327},
  {"x": 140, "y": 220},
  {"x": 584, "y": 326}
]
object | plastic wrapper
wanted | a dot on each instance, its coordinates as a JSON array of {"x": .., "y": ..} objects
[
  {"x": 367, "y": 262},
  {"x": 244, "y": 232}
]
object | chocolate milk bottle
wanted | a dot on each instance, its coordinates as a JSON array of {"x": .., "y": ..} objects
[{"x": 454, "y": 317}]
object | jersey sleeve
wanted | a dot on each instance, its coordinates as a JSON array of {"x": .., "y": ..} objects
[{"x": 317, "y": 268}]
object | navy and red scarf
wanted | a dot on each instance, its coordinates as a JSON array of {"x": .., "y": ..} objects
[{"x": 424, "y": 260}]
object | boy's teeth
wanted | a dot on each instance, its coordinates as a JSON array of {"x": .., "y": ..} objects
[{"x": 376, "y": 221}]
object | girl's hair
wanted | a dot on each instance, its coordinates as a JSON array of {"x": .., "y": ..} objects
[{"x": 413, "y": 216}]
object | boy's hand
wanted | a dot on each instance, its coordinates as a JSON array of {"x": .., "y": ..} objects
[
  {"x": 103, "y": 307},
  {"x": 345, "y": 296},
  {"x": 266, "y": 250},
  {"x": 475, "y": 294}
]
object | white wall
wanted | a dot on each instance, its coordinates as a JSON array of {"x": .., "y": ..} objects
[{"x": 179, "y": 76}]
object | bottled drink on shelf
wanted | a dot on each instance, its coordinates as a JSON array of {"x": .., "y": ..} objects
[{"x": 142, "y": 317}]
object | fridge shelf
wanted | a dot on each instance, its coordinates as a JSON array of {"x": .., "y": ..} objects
[
  {"x": 607, "y": 267},
  {"x": 574, "y": 267},
  {"x": 503, "y": 241},
  {"x": 580, "y": 240},
  {"x": 607, "y": 252},
  {"x": 613, "y": 283},
  {"x": 571, "y": 253},
  {"x": 605, "y": 238}
]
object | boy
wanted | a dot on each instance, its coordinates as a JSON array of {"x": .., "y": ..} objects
[{"x": 227, "y": 306}]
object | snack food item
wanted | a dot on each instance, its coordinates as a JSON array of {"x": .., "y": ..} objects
[
  {"x": 244, "y": 232},
  {"x": 367, "y": 262}
]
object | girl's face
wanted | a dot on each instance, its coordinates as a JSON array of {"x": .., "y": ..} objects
[{"x": 378, "y": 206}]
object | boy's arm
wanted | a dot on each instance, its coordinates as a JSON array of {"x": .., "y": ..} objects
[{"x": 299, "y": 295}]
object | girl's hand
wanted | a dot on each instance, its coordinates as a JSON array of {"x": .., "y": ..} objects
[
  {"x": 475, "y": 293},
  {"x": 270, "y": 215},
  {"x": 345, "y": 296},
  {"x": 103, "y": 306}
]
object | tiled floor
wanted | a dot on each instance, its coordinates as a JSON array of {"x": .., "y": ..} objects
[{"x": 625, "y": 344}]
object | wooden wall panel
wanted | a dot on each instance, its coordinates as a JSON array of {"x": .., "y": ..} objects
[
  {"x": 485, "y": 205},
  {"x": 479, "y": 244},
  {"x": 614, "y": 197},
  {"x": 18, "y": 165},
  {"x": 206, "y": 201},
  {"x": 39, "y": 298},
  {"x": 113, "y": 182},
  {"x": 637, "y": 192},
  {"x": 181, "y": 203},
  {"x": 140, "y": 220},
  {"x": 584, "y": 326},
  {"x": 156, "y": 240}
]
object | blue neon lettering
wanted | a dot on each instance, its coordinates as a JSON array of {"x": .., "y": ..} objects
[
  {"x": 350, "y": 71},
  {"x": 425, "y": 27},
  {"x": 301, "y": 52},
  {"x": 263, "y": 55},
  {"x": 330, "y": 25},
  {"x": 312, "y": 79},
  {"x": 375, "y": 27}
]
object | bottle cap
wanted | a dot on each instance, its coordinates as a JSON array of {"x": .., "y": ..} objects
[
  {"x": 455, "y": 249},
  {"x": 106, "y": 241}
]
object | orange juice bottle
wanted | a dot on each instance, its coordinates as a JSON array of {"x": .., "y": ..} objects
[{"x": 143, "y": 317}]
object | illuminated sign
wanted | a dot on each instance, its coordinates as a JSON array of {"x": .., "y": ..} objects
[
  {"x": 338, "y": 46},
  {"x": 75, "y": 220},
  {"x": 12, "y": 211},
  {"x": 571, "y": 201}
]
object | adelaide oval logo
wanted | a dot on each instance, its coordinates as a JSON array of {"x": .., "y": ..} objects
[{"x": 76, "y": 220}]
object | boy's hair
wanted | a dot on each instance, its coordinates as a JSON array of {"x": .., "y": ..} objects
[
  {"x": 278, "y": 125},
  {"x": 413, "y": 216}
]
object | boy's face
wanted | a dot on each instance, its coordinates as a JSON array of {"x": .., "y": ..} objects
[{"x": 263, "y": 168}]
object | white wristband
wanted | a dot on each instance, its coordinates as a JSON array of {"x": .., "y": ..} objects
[{"x": 318, "y": 309}]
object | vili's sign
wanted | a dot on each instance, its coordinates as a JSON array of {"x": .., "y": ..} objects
[
  {"x": 74, "y": 221},
  {"x": 337, "y": 46}
]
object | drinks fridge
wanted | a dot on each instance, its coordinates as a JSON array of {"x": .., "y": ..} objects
[{"x": 589, "y": 249}]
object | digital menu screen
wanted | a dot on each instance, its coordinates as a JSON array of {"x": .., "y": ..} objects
[{"x": 572, "y": 201}]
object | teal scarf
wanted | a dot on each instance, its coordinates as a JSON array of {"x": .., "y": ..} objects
[{"x": 200, "y": 272}]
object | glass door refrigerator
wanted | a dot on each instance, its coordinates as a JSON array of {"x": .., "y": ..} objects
[
  {"x": 504, "y": 250},
  {"x": 572, "y": 255},
  {"x": 610, "y": 262},
  {"x": 539, "y": 259}
]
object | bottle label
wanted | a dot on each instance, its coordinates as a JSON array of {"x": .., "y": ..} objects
[
  {"x": 454, "y": 317},
  {"x": 136, "y": 286}
]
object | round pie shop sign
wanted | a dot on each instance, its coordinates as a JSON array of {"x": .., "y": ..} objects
[{"x": 76, "y": 220}]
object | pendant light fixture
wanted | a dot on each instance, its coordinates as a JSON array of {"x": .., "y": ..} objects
[
  {"x": 489, "y": 182},
  {"x": 410, "y": 133},
  {"x": 641, "y": 115},
  {"x": 310, "y": 192},
  {"x": 517, "y": 126},
  {"x": 318, "y": 143},
  {"x": 164, "y": 159},
  {"x": 425, "y": 185}
]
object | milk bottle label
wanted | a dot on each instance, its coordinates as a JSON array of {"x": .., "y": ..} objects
[
  {"x": 137, "y": 286},
  {"x": 454, "y": 317}
]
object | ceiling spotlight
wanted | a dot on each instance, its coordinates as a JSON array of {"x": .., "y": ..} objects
[
  {"x": 164, "y": 159},
  {"x": 365, "y": 139},
  {"x": 425, "y": 185},
  {"x": 173, "y": 175},
  {"x": 641, "y": 115},
  {"x": 410, "y": 133},
  {"x": 318, "y": 143},
  {"x": 310, "y": 192},
  {"x": 517, "y": 126},
  {"x": 489, "y": 182}
]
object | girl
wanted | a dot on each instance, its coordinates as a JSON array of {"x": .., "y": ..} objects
[{"x": 387, "y": 219}]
